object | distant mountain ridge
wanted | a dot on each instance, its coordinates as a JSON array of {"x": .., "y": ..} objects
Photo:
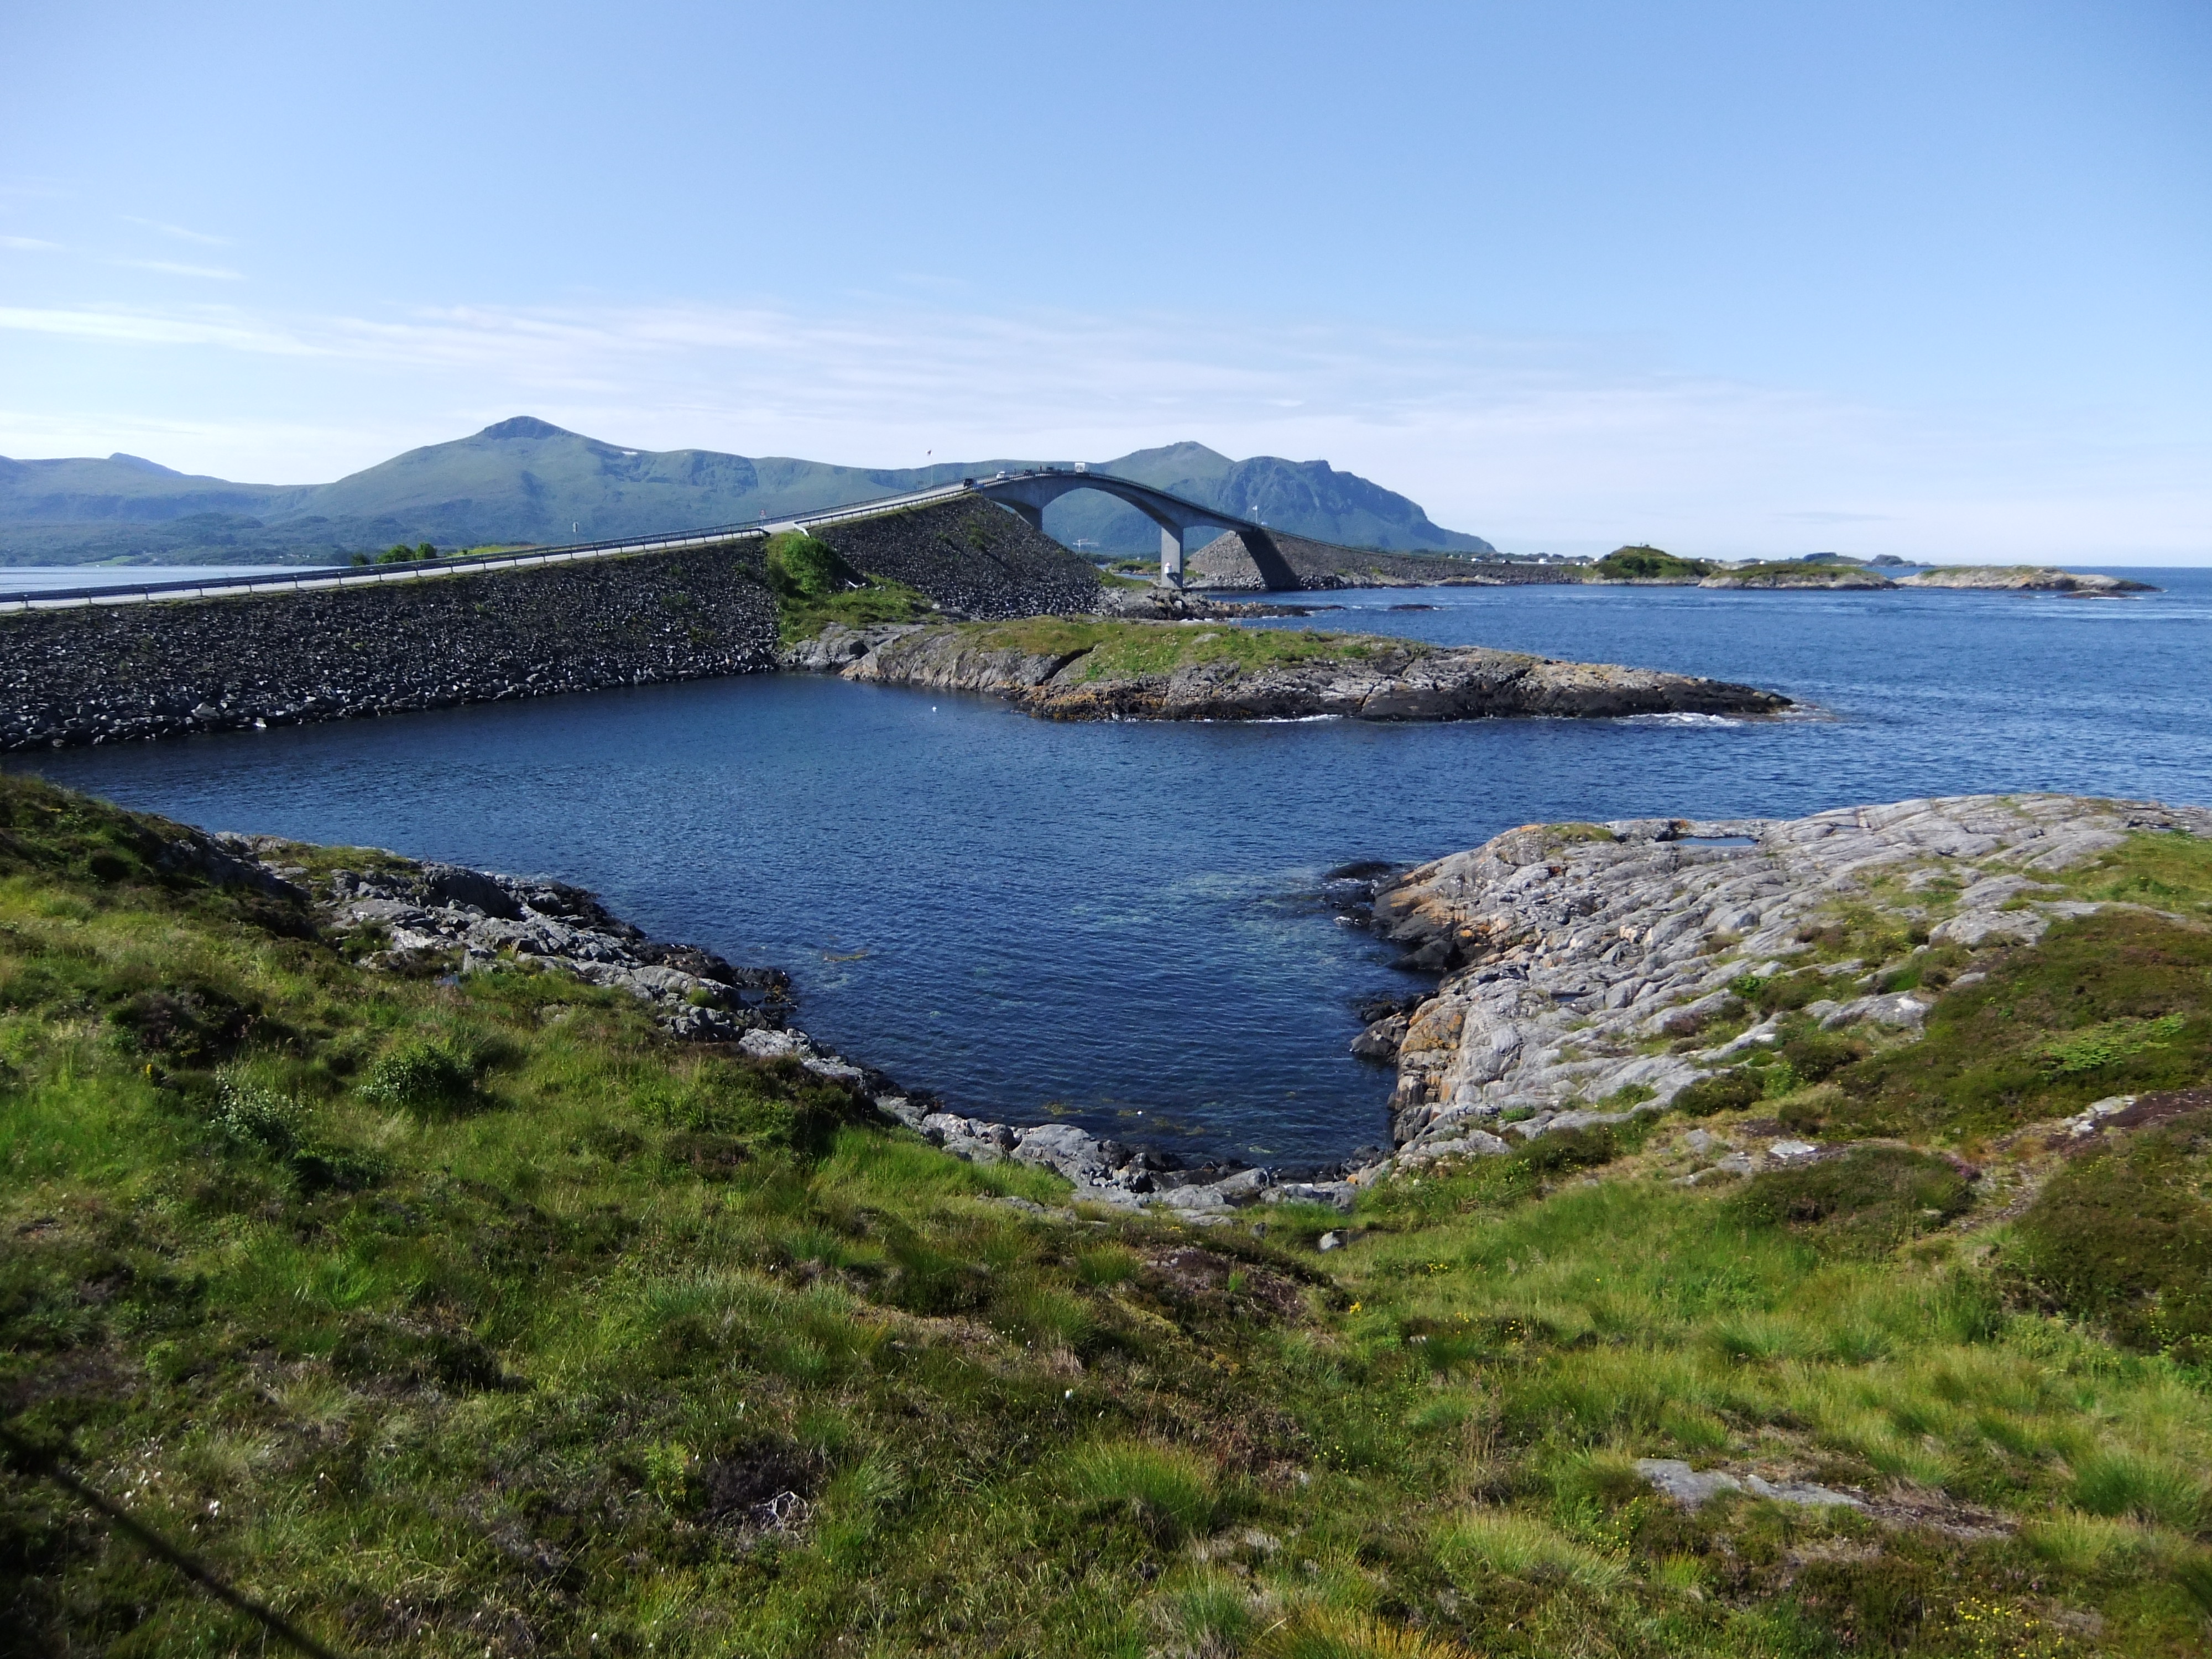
[{"x": 527, "y": 480}]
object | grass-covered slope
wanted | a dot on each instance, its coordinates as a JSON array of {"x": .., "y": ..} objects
[{"x": 469, "y": 1317}]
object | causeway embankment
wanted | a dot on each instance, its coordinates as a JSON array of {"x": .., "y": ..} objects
[{"x": 108, "y": 673}]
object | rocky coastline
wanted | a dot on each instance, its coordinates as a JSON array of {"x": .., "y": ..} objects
[
  {"x": 425, "y": 918},
  {"x": 1076, "y": 676},
  {"x": 1592, "y": 972},
  {"x": 1587, "y": 974}
]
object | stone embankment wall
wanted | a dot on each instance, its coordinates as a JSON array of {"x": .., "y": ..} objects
[
  {"x": 973, "y": 558},
  {"x": 1224, "y": 562},
  {"x": 113, "y": 672},
  {"x": 109, "y": 673}
]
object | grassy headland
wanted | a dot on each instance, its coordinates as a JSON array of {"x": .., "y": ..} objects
[
  {"x": 1643, "y": 564},
  {"x": 470, "y": 1316}
]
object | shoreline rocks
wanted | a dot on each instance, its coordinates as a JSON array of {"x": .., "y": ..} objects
[
  {"x": 424, "y": 916},
  {"x": 1374, "y": 677},
  {"x": 413, "y": 916}
]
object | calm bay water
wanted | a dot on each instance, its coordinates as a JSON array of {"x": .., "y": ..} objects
[{"x": 1119, "y": 923}]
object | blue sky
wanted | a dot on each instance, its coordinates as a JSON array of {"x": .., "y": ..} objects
[{"x": 1923, "y": 278}]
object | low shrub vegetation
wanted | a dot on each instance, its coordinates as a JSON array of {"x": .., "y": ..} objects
[{"x": 1644, "y": 563}]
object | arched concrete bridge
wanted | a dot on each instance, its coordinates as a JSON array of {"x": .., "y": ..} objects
[
  {"x": 1026, "y": 494},
  {"x": 1029, "y": 493}
]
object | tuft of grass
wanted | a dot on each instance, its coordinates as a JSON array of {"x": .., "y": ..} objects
[
  {"x": 1320, "y": 1633},
  {"x": 1521, "y": 1546},
  {"x": 1167, "y": 1491},
  {"x": 421, "y": 1074},
  {"x": 2156, "y": 1489}
]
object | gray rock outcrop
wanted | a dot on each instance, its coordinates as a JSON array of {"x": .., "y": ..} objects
[{"x": 1568, "y": 950}]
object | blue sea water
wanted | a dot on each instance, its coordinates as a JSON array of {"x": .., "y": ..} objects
[{"x": 1119, "y": 923}]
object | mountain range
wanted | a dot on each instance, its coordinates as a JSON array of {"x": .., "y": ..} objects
[{"x": 527, "y": 481}]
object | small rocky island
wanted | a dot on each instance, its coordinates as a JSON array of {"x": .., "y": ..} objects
[
  {"x": 1082, "y": 668},
  {"x": 2024, "y": 579}
]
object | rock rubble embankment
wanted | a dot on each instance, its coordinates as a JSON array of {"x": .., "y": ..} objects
[
  {"x": 1581, "y": 962},
  {"x": 973, "y": 559},
  {"x": 1322, "y": 567},
  {"x": 1375, "y": 679},
  {"x": 112, "y": 673}
]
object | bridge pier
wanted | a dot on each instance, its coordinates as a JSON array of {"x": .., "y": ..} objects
[{"x": 1170, "y": 557}]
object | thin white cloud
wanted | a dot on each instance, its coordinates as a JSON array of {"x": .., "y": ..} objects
[
  {"x": 28, "y": 245},
  {"x": 178, "y": 231},
  {"x": 171, "y": 268},
  {"x": 142, "y": 328}
]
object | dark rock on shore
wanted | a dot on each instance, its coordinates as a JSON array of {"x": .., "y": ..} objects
[{"x": 422, "y": 917}]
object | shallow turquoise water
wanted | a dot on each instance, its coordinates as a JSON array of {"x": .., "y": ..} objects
[{"x": 1120, "y": 923}]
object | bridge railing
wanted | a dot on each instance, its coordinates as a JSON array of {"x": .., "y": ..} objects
[{"x": 328, "y": 577}]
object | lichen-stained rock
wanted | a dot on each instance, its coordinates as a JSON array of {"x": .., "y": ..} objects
[{"x": 1567, "y": 949}]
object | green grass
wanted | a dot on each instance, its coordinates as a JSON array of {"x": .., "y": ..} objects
[
  {"x": 1115, "y": 650},
  {"x": 2162, "y": 872},
  {"x": 815, "y": 588},
  {"x": 470, "y": 1317}
]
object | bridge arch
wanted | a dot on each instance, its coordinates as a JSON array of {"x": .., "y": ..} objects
[{"x": 1028, "y": 494}]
